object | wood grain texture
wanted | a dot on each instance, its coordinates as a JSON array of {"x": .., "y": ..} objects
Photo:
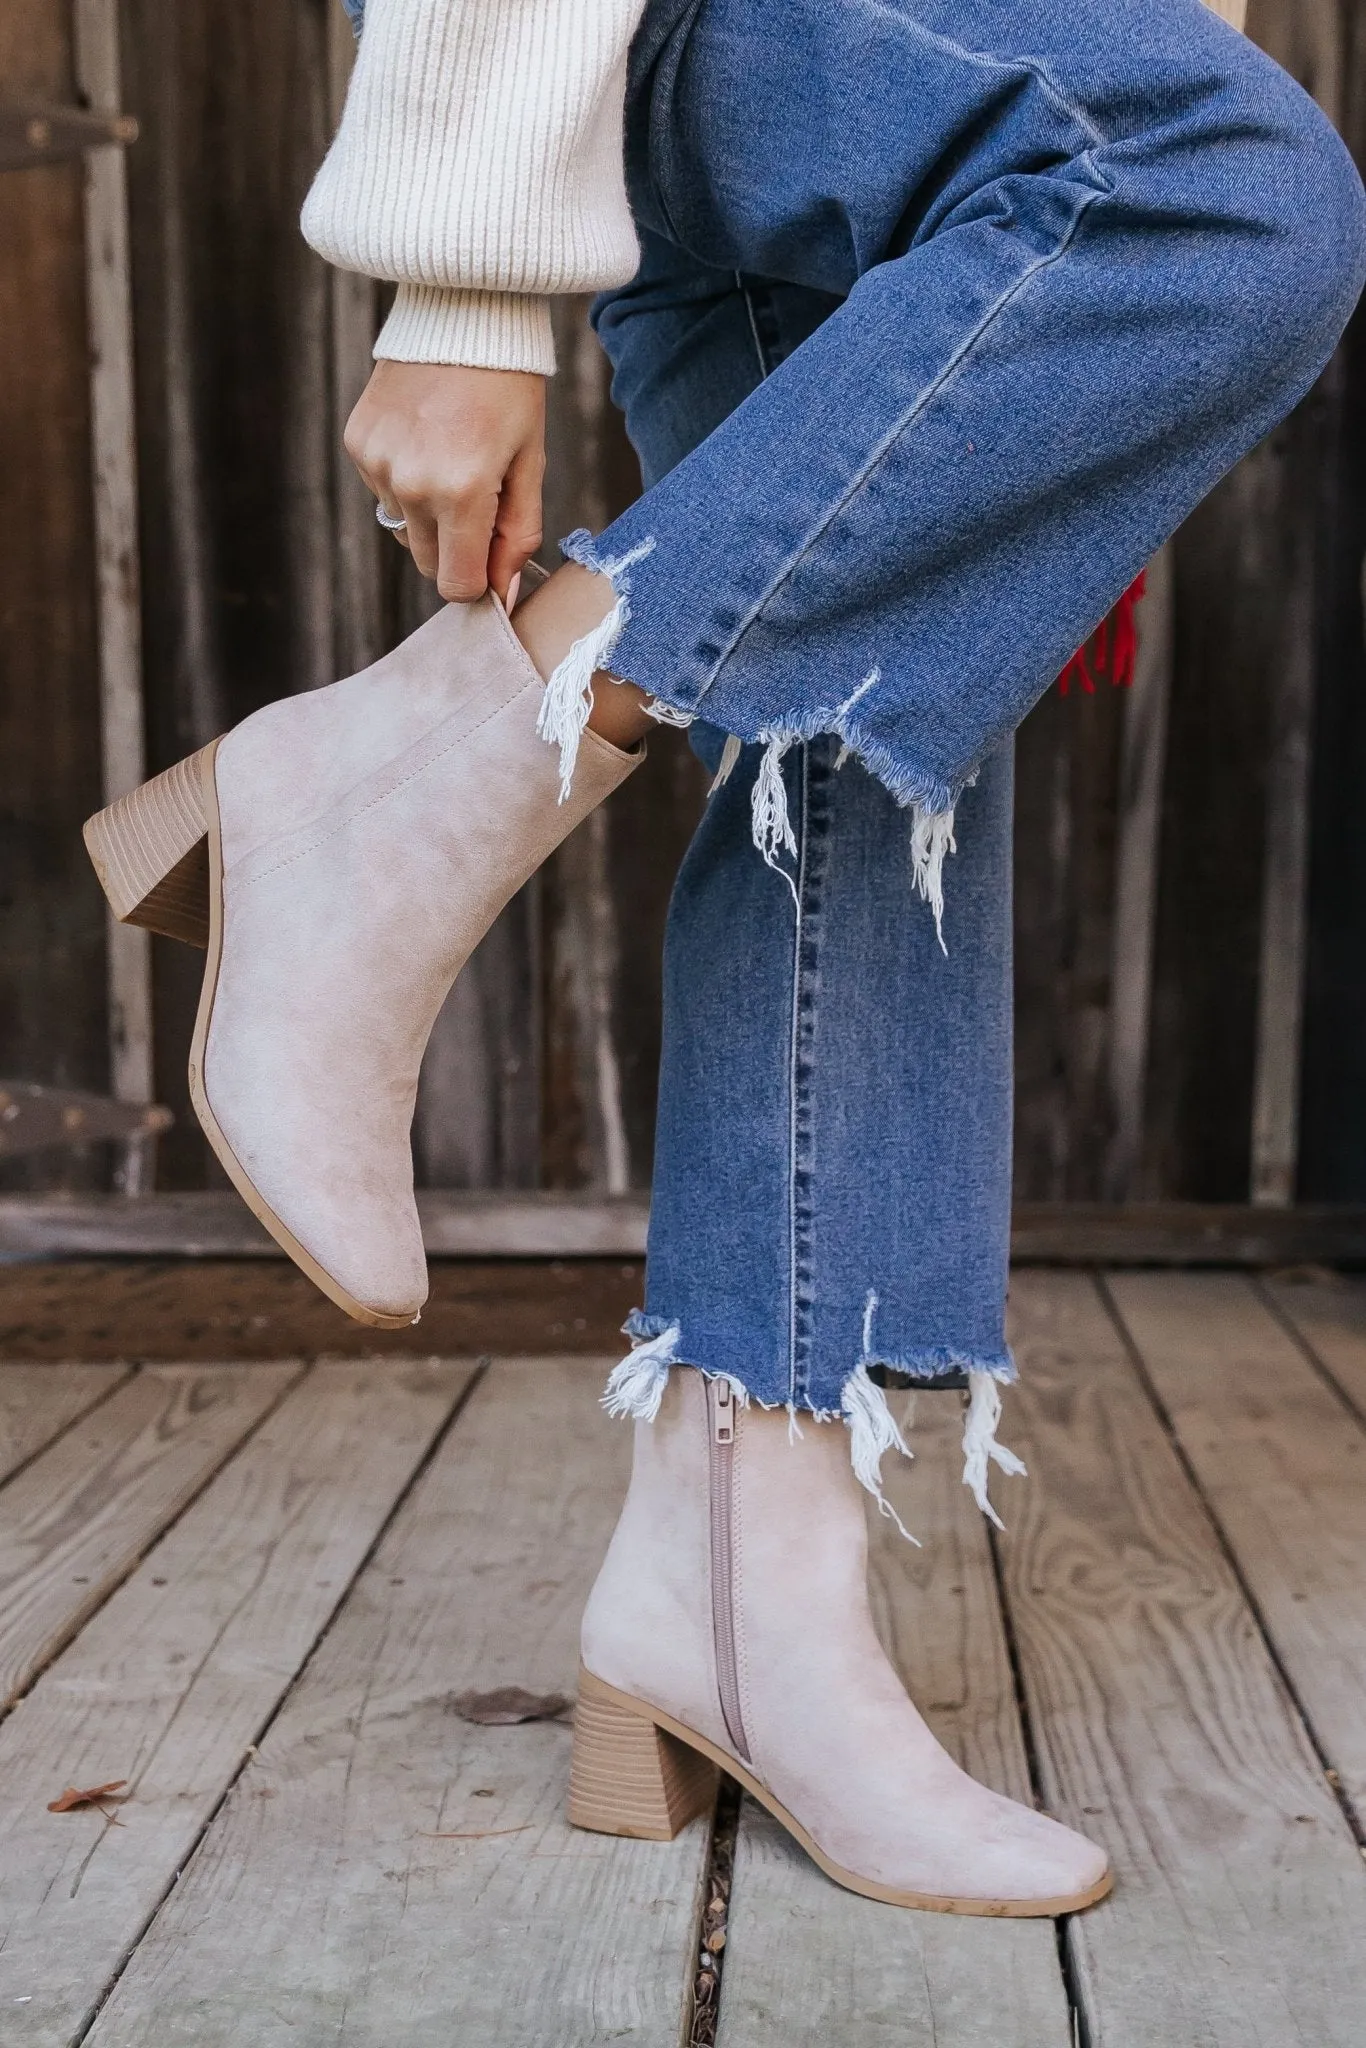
[
  {"x": 388, "y": 1872},
  {"x": 76, "y": 1520},
  {"x": 1331, "y": 1319},
  {"x": 114, "y": 474},
  {"x": 235, "y": 409},
  {"x": 1282, "y": 1462},
  {"x": 1138, "y": 834},
  {"x": 1333, "y": 1068},
  {"x": 606, "y": 892},
  {"x": 37, "y": 1402},
  {"x": 1160, "y": 1723},
  {"x": 456, "y": 1223},
  {"x": 1268, "y": 615},
  {"x": 211, "y": 1310},
  {"x": 807, "y": 1963},
  {"x": 1311, "y": 41},
  {"x": 179, "y": 1672},
  {"x": 1067, "y": 765},
  {"x": 489, "y": 1223},
  {"x": 52, "y": 925}
]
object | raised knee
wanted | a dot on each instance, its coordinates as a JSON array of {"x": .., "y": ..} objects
[{"x": 1302, "y": 263}]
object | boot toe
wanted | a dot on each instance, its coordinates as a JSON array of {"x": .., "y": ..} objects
[
  {"x": 371, "y": 1251},
  {"x": 360, "y": 1235},
  {"x": 1037, "y": 1858}
]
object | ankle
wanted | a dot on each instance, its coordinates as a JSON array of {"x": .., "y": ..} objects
[{"x": 568, "y": 605}]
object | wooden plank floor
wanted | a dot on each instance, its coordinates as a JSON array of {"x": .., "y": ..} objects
[{"x": 261, "y": 1593}]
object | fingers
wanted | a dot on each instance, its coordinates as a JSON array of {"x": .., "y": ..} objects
[
  {"x": 465, "y": 521},
  {"x": 517, "y": 526},
  {"x": 458, "y": 453},
  {"x": 447, "y": 530}
]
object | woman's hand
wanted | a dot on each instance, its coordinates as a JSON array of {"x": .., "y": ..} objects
[{"x": 460, "y": 454}]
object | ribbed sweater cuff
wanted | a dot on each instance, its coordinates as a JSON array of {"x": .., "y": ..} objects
[{"x": 485, "y": 330}]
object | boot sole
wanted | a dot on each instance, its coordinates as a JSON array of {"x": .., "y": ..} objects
[
  {"x": 227, "y": 1158},
  {"x": 626, "y": 1778}
]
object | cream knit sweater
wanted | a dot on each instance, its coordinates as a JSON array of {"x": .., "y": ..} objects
[{"x": 479, "y": 165}]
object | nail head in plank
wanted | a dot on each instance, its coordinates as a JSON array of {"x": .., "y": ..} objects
[
  {"x": 1160, "y": 1722},
  {"x": 332, "y": 1909},
  {"x": 37, "y": 1402},
  {"x": 75, "y": 1521},
  {"x": 808, "y": 1964},
  {"x": 1282, "y": 1463},
  {"x": 180, "y": 1670}
]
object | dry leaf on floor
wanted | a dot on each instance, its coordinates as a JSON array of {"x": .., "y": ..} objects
[
  {"x": 507, "y": 1705},
  {"x": 94, "y": 1795}
]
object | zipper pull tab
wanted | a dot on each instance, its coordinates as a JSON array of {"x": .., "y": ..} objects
[{"x": 721, "y": 1398}]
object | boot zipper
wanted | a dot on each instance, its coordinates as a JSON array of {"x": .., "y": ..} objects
[{"x": 721, "y": 1421}]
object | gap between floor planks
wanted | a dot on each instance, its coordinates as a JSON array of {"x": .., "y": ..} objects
[
  {"x": 39, "y": 1402},
  {"x": 384, "y": 1870},
  {"x": 807, "y": 1964},
  {"x": 175, "y": 1677},
  {"x": 77, "y": 1517},
  {"x": 1280, "y": 1457},
  {"x": 1160, "y": 1720},
  {"x": 1192, "y": 1906}
]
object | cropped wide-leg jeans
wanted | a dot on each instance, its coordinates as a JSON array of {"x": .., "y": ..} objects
[{"x": 948, "y": 314}]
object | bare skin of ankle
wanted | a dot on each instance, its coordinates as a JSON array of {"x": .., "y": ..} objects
[{"x": 565, "y": 607}]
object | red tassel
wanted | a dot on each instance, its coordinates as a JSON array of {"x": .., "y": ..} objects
[{"x": 1113, "y": 651}]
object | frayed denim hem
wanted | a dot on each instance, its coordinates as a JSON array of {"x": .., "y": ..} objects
[
  {"x": 635, "y": 1390},
  {"x": 939, "y": 1365},
  {"x": 931, "y": 803},
  {"x": 930, "y": 800},
  {"x": 568, "y": 701}
]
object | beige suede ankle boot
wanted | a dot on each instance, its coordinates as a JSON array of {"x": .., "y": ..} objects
[
  {"x": 341, "y": 853},
  {"x": 730, "y": 1625}
]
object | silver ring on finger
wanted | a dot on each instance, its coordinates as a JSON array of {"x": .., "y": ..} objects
[{"x": 392, "y": 522}]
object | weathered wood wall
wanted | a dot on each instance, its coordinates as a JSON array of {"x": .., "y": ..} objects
[
  {"x": 1163, "y": 835},
  {"x": 52, "y": 1009}
]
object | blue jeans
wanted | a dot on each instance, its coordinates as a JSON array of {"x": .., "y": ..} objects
[{"x": 948, "y": 315}]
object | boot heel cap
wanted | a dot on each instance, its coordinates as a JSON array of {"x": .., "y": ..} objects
[{"x": 627, "y": 1776}]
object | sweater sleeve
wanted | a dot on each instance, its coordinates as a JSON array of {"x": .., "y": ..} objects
[{"x": 479, "y": 165}]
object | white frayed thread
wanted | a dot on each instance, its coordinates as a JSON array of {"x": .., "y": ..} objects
[
  {"x": 730, "y": 754},
  {"x": 931, "y": 839},
  {"x": 841, "y": 716},
  {"x": 567, "y": 703},
  {"x": 665, "y": 714},
  {"x": 635, "y": 1388},
  {"x": 980, "y": 1448},
  {"x": 872, "y": 1433},
  {"x": 773, "y": 834},
  {"x": 869, "y": 1311},
  {"x": 839, "y": 723}
]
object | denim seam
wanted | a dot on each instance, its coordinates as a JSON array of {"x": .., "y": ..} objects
[
  {"x": 1012, "y": 67},
  {"x": 906, "y": 420},
  {"x": 799, "y": 899},
  {"x": 815, "y": 820}
]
